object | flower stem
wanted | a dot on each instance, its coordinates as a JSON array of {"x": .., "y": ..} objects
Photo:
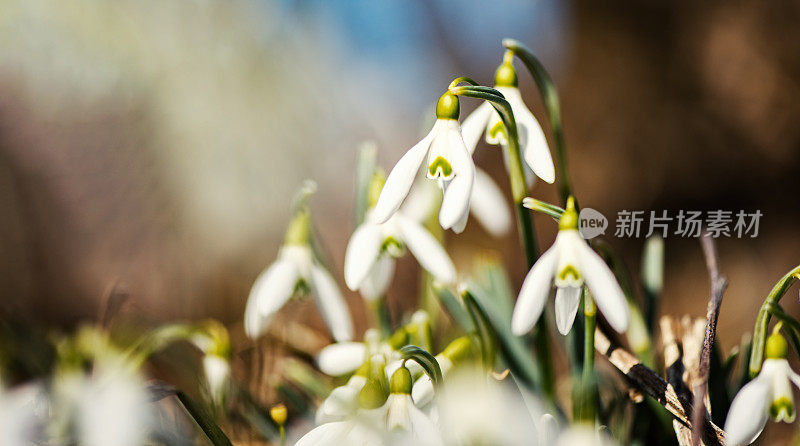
[
  {"x": 382, "y": 319},
  {"x": 587, "y": 398},
  {"x": 519, "y": 190},
  {"x": 552, "y": 105},
  {"x": 762, "y": 320},
  {"x": 282, "y": 430}
]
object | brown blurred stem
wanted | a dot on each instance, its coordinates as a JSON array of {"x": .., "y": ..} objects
[
  {"x": 718, "y": 285},
  {"x": 654, "y": 386}
]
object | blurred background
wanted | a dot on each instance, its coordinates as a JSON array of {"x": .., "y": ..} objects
[{"x": 152, "y": 147}]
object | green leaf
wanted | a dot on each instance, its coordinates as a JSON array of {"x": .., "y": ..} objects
[
  {"x": 455, "y": 309},
  {"x": 365, "y": 169},
  {"x": 512, "y": 348},
  {"x": 426, "y": 360},
  {"x": 203, "y": 419}
]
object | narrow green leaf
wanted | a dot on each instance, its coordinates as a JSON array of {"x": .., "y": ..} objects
[
  {"x": 203, "y": 419},
  {"x": 455, "y": 309}
]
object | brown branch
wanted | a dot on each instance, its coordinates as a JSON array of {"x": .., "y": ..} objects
[
  {"x": 718, "y": 285},
  {"x": 653, "y": 385}
]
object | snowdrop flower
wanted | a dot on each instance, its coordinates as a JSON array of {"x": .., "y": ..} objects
[
  {"x": 402, "y": 416},
  {"x": 571, "y": 262},
  {"x": 112, "y": 406},
  {"x": 769, "y": 395},
  {"x": 362, "y": 426},
  {"x": 448, "y": 162},
  {"x": 485, "y": 119},
  {"x": 296, "y": 271},
  {"x": 212, "y": 339},
  {"x": 370, "y": 254},
  {"x": 342, "y": 401},
  {"x": 474, "y": 409}
]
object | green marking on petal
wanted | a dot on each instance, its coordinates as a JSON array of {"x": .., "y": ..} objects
[
  {"x": 498, "y": 129},
  {"x": 393, "y": 247},
  {"x": 782, "y": 409},
  {"x": 569, "y": 271},
  {"x": 440, "y": 165}
]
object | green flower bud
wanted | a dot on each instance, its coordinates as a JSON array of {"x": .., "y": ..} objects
[
  {"x": 569, "y": 219},
  {"x": 375, "y": 187},
  {"x": 299, "y": 230},
  {"x": 372, "y": 395},
  {"x": 459, "y": 349},
  {"x": 506, "y": 75},
  {"x": 401, "y": 381},
  {"x": 448, "y": 107},
  {"x": 398, "y": 339},
  {"x": 776, "y": 348}
]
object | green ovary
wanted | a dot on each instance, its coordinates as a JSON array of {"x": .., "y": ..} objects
[
  {"x": 441, "y": 166},
  {"x": 782, "y": 409}
]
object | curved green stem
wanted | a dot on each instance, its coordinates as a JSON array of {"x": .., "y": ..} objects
[
  {"x": 762, "y": 320},
  {"x": 552, "y": 104},
  {"x": 519, "y": 190}
]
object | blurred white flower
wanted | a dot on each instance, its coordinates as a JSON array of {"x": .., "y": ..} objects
[
  {"x": 448, "y": 162},
  {"x": 768, "y": 395},
  {"x": 217, "y": 371},
  {"x": 342, "y": 402},
  {"x": 485, "y": 119},
  {"x": 20, "y": 422},
  {"x": 297, "y": 270},
  {"x": 374, "y": 246},
  {"x": 112, "y": 406},
  {"x": 571, "y": 262},
  {"x": 475, "y": 409}
]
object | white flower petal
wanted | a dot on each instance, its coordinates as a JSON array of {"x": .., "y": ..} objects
[
  {"x": 461, "y": 224},
  {"x": 328, "y": 434},
  {"x": 475, "y": 124},
  {"x": 361, "y": 254},
  {"x": 567, "y": 301},
  {"x": 427, "y": 250},
  {"x": 401, "y": 177},
  {"x": 530, "y": 177},
  {"x": 748, "y": 413},
  {"x": 488, "y": 205},
  {"x": 457, "y": 194},
  {"x": 603, "y": 285},
  {"x": 534, "y": 292},
  {"x": 423, "y": 429},
  {"x": 270, "y": 291},
  {"x": 342, "y": 402},
  {"x": 342, "y": 357},
  {"x": 331, "y": 304},
  {"x": 422, "y": 201},
  {"x": 532, "y": 139},
  {"x": 379, "y": 278}
]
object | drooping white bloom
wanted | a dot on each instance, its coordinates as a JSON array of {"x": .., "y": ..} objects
[
  {"x": 369, "y": 259},
  {"x": 448, "y": 162},
  {"x": 112, "y": 406},
  {"x": 356, "y": 431},
  {"x": 19, "y": 418},
  {"x": 485, "y": 119},
  {"x": 768, "y": 395},
  {"x": 571, "y": 263},
  {"x": 404, "y": 418},
  {"x": 217, "y": 371},
  {"x": 296, "y": 269},
  {"x": 342, "y": 401},
  {"x": 475, "y": 409}
]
